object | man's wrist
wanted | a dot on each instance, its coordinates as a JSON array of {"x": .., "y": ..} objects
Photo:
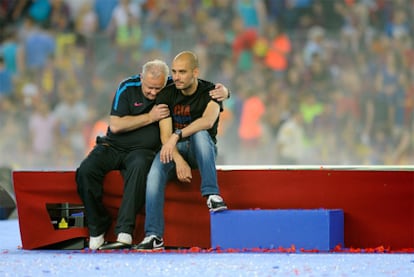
[{"x": 179, "y": 133}]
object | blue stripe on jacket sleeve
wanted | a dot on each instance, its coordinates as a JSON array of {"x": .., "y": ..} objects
[{"x": 121, "y": 89}]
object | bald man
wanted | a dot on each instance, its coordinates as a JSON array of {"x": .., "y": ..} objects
[{"x": 188, "y": 137}]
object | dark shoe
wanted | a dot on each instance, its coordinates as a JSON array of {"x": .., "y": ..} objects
[
  {"x": 114, "y": 246},
  {"x": 215, "y": 203},
  {"x": 150, "y": 243}
]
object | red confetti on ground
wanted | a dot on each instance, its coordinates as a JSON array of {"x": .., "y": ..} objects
[{"x": 337, "y": 249}]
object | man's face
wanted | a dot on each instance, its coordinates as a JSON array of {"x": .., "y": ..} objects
[
  {"x": 151, "y": 86},
  {"x": 182, "y": 74}
]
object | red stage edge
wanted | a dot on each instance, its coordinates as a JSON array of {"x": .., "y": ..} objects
[{"x": 378, "y": 202}]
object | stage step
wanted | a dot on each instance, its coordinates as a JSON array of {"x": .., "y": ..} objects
[{"x": 308, "y": 229}]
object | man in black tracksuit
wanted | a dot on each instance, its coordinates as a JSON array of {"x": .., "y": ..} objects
[{"x": 131, "y": 142}]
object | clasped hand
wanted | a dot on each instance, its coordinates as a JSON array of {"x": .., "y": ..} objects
[
  {"x": 183, "y": 170},
  {"x": 167, "y": 150}
]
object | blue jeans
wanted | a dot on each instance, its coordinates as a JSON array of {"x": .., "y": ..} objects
[{"x": 200, "y": 153}]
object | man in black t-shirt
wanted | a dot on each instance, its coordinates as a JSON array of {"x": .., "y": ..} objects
[
  {"x": 188, "y": 136},
  {"x": 131, "y": 142}
]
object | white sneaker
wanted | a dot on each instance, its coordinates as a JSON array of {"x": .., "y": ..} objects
[
  {"x": 96, "y": 242},
  {"x": 124, "y": 238},
  {"x": 215, "y": 203},
  {"x": 150, "y": 243}
]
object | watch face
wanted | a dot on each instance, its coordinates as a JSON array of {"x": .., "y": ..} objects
[{"x": 179, "y": 133}]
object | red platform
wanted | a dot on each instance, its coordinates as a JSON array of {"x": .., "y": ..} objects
[{"x": 378, "y": 203}]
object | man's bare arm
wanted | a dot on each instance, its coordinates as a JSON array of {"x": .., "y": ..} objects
[
  {"x": 127, "y": 123},
  {"x": 205, "y": 122},
  {"x": 169, "y": 151}
]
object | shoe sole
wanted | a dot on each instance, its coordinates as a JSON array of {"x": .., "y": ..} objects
[
  {"x": 149, "y": 250},
  {"x": 219, "y": 209},
  {"x": 115, "y": 246}
]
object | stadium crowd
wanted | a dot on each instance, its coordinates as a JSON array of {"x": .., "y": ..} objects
[{"x": 313, "y": 82}]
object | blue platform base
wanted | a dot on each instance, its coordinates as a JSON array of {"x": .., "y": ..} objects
[{"x": 318, "y": 229}]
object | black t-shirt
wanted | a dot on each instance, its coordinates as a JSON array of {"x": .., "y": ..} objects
[
  {"x": 186, "y": 109},
  {"x": 129, "y": 100}
]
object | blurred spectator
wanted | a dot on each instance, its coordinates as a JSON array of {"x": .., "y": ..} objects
[
  {"x": 354, "y": 26},
  {"x": 10, "y": 51},
  {"x": 125, "y": 30},
  {"x": 279, "y": 47},
  {"x": 51, "y": 77},
  {"x": 398, "y": 25},
  {"x": 71, "y": 114},
  {"x": 13, "y": 134},
  {"x": 104, "y": 9},
  {"x": 72, "y": 59},
  {"x": 9, "y": 11},
  {"x": 242, "y": 44},
  {"x": 328, "y": 14},
  {"x": 315, "y": 45},
  {"x": 37, "y": 47},
  {"x": 75, "y": 7},
  {"x": 6, "y": 80},
  {"x": 278, "y": 104},
  {"x": 290, "y": 16},
  {"x": 290, "y": 140},
  {"x": 30, "y": 90},
  {"x": 217, "y": 48},
  {"x": 250, "y": 129},
  {"x": 86, "y": 21},
  {"x": 39, "y": 10},
  {"x": 319, "y": 77},
  {"x": 387, "y": 85},
  {"x": 60, "y": 18},
  {"x": 275, "y": 10},
  {"x": 223, "y": 11},
  {"x": 253, "y": 13},
  {"x": 156, "y": 44},
  {"x": 42, "y": 127}
]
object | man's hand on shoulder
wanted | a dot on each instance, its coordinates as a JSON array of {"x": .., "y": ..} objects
[
  {"x": 220, "y": 92},
  {"x": 159, "y": 112}
]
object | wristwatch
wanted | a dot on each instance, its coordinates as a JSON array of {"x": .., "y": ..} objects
[{"x": 179, "y": 133}]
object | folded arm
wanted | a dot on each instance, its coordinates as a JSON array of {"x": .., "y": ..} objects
[{"x": 119, "y": 124}]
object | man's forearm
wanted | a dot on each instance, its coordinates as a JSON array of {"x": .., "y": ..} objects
[{"x": 128, "y": 123}]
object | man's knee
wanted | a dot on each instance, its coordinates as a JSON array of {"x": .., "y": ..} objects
[
  {"x": 83, "y": 170},
  {"x": 202, "y": 134},
  {"x": 203, "y": 142}
]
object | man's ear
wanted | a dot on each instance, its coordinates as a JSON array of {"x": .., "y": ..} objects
[{"x": 196, "y": 72}]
